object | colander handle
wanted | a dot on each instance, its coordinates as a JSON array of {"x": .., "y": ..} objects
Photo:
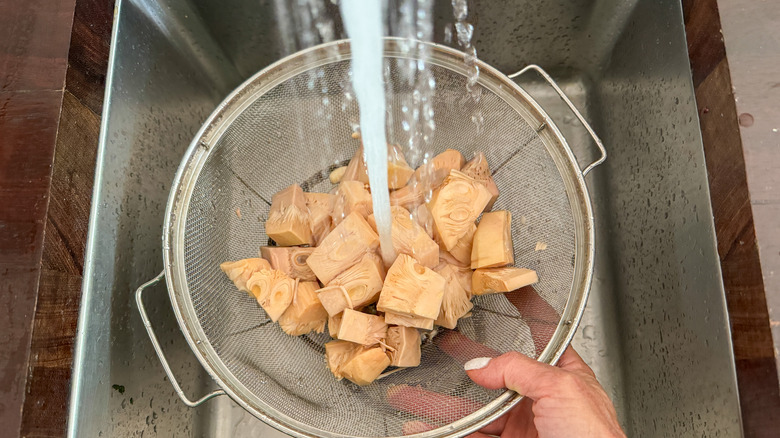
[
  {"x": 158, "y": 349},
  {"x": 573, "y": 109}
]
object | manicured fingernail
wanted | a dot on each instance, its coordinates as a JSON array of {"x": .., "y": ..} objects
[{"x": 476, "y": 364}]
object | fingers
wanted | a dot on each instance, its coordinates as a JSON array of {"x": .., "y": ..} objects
[
  {"x": 514, "y": 371},
  {"x": 438, "y": 408}
]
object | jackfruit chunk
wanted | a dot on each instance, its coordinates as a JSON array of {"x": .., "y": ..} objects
[
  {"x": 239, "y": 271},
  {"x": 354, "y": 362},
  {"x": 408, "y": 321},
  {"x": 423, "y": 217},
  {"x": 362, "y": 328},
  {"x": 356, "y": 287},
  {"x": 498, "y": 280},
  {"x": 413, "y": 193},
  {"x": 356, "y": 169},
  {"x": 410, "y": 238},
  {"x": 288, "y": 220},
  {"x": 445, "y": 161},
  {"x": 456, "y": 302},
  {"x": 456, "y": 205},
  {"x": 291, "y": 260},
  {"x": 478, "y": 169},
  {"x": 365, "y": 365},
  {"x": 493, "y": 241},
  {"x": 403, "y": 346},
  {"x": 411, "y": 289},
  {"x": 463, "y": 248},
  {"x": 427, "y": 177},
  {"x": 398, "y": 170},
  {"x": 305, "y": 313},
  {"x": 334, "y": 299},
  {"x": 351, "y": 196},
  {"x": 464, "y": 276},
  {"x": 334, "y": 324},
  {"x": 319, "y": 205},
  {"x": 342, "y": 248},
  {"x": 274, "y": 291}
]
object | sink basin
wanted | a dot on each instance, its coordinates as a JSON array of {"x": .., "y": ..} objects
[{"x": 655, "y": 329}]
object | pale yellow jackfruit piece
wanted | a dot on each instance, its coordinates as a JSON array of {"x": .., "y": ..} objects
[
  {"x": 356, "y": 287},
  {"x": 410, "y": 238},
  {"x": 446, "y": 161},
  {"x": 337, "y": 353},
  {"x": 334, "y": 299},
  {"x": 346, "y": 245},
  {"x": 411, "y": 289},
  {"x": 398, "y": 170},
  {"x": 274, "y": 291},
  {"x": 305, "y": 313},
  {"x": 456, "y": 302},
  {"x": 463, "y": 248},
  {"x": 362, "y": 328},
  {"x": 403, "y": 346},
  {"x": 492, "y": 246},
  {"x": 365, "y": 365},
  {"x": 288, "y": 221},
  {"x": 413, "y": 193},
  {"x": 321, "y": 223},
  {"x": 499, "y": 280},
  {"x": 456, "y": 205},
  {"x": 355, "y": 362},
  {"x": 351, "y": 196},
  {"x": 478, "y": 169},
  {"x": 356, "y": 169},
  {"x": 408, "y": 321},
  {"x": 334, "y": 324},
  {"x": 423, "y": 217},
  {"x": 291, "y": 260},
  {"x": 239, "y": 271}
]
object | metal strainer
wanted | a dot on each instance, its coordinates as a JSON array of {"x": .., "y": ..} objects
[{"x": 278, "y": 129}]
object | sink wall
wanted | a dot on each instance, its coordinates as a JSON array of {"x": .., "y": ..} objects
[{"x": 655, "y": 329}]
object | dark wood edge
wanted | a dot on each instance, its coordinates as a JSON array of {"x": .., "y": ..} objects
[
  {"x": 45, "y": 409},
  {"x": 751, "y": 334}
]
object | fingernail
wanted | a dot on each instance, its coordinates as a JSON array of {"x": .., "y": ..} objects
[{"x": 476, "y": 364}]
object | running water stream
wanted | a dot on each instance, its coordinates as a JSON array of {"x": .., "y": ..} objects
[{"x": 363, "y": 23}]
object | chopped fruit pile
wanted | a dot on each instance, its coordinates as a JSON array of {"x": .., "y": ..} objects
[{"x": 326, "y": 269}]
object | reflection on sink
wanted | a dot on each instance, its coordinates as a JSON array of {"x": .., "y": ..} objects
[{"x": 655, "y": 329}]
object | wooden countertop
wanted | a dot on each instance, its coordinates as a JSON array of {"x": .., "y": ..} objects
[{"x": 50, "y": 107}]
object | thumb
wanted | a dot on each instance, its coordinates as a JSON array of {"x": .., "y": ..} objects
[{"x": 514, "y": 371}]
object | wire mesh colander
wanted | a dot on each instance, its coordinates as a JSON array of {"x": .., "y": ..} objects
[{"x": 272, "y": 132}]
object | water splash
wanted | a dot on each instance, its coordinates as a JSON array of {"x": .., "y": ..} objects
[
  {"x": 464, "y": 32},
  {"x": 363, "y": 23}
]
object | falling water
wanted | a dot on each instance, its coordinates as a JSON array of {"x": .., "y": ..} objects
[
  {"x": 363, "y": 23},
  {"x": 465, "y": 32}
]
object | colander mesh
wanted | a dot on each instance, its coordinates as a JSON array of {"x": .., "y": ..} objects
[{"x": 289, "y": 135}]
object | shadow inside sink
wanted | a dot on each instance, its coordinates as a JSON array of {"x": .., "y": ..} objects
[{"x": 655, "y": 329}]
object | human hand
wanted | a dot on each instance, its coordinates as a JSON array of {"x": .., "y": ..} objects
[{"x": 561, "y": 401}]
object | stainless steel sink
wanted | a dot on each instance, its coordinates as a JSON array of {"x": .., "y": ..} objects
[{"x": 655, "y": 329}]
